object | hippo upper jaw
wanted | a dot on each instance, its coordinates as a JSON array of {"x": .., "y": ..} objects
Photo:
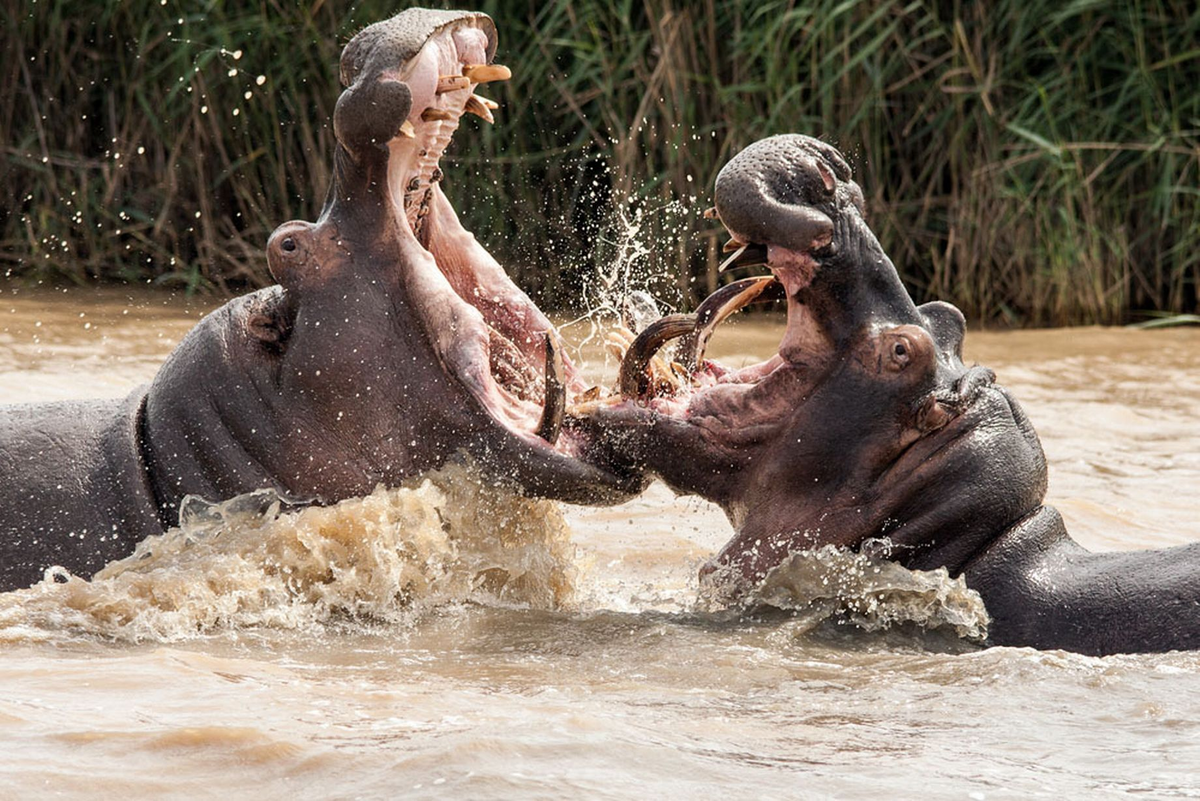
[{"x": 488, "y": 335}]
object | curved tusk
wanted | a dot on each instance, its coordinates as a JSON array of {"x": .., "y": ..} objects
[
  {"x": 555, "y": 405},
  {"x": 431, "y": 114},
  {"x": 476, "y": 106},
  {"x": 634, "y": 381},
  {"x": 486, "y": 73},
  {"x": 718, "y": 307},
  {"x": 746, "y": 256}
]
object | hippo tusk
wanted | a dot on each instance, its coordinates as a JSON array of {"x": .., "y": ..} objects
[
  {"x": 733, "y": 244},
  {"x": 746, "y": 256},
  {"x": 407, "y": 130},
  {"x": 720, "y": 306},
  {"x": 555, "y": 404},
  {"x": 477, "y": 106},
  {"x": 634, "y": 381},
  {"x": 486, "y": 73},
  {"x": 452, "y": 83},
  {"x": 436, "y": 114}
]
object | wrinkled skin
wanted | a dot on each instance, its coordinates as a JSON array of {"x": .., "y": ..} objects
[
  {"x": 867, "y": 425},
  {"x": 392, "y": 342}
]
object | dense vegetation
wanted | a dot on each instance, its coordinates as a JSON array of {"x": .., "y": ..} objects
[{"x": 1035, "y": 163}]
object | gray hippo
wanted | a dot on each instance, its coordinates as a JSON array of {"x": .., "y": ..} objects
[
  {"x": 392, "y": 340},
  {"x": 867, "y": 425}
]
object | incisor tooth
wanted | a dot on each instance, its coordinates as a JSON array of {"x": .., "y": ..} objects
[
  {"x": 408, "y": 130},
  {"x": 491, "y": 104},
  {"x": 452, "y": 83},
  {"x": 431, "y": 114},
  {"x": 733, "y": 244},
  {"x": 486, "y": 73},
  {"x": 476, "y": 106}
]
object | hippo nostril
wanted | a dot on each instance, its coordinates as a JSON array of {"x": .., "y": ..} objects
[{"x": 288, "y": 244}]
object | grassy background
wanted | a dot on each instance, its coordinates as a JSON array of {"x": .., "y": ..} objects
[{"x": 1035, "y": 163}]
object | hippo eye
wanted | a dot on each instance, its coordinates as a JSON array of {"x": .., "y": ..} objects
[{"x": 288, "y": 244}]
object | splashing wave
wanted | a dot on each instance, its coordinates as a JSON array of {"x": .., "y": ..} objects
[{"x": 387, "y": 556}]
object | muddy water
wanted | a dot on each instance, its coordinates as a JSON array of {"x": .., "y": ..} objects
[{"x": 437, "y": 641}]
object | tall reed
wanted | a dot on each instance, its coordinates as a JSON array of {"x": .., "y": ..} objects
[{"x": 1034, "y": 163}]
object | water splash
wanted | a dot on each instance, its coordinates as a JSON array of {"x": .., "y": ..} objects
[
  {"x": 634, "y": 262},
  {"x": 866, "y": 590},
  {"x": 387, "y": 557}
]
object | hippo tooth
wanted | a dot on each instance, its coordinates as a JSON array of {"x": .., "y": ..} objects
[
  {"x": 634, "y": 379},
  {"x": 475, "y": 106},
  {"x": 489, "y": 103},
  {"x": 720, "y": 306},
  {"x": 556, "y": 393},
  {"x": 431, "y": 114},
  {"x": 486, "y": 73},
  {"x": 407, "y": 130},
  {"x": 452, "y": 83},
  {"x": 733, "y": 244}
]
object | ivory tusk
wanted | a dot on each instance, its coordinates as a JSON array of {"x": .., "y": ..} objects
[
  {"x": 746, "y": 256},
  {"x": 452, "y": 83},
  {"x": 634, "y": 379},
  {"x": 555, "y": 405},
  {"x": 719, "y": 307},
  {"x": 476, "y": 106},
  {"x": 486, "y": 73},
  {"x": 432, "y": 114}
]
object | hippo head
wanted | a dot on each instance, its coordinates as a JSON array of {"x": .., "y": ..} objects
[
  {"x": 393, "y": 339},
  {"x": 865, "y": 425}
]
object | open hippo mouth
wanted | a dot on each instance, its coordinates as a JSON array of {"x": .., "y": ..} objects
[
  {"x": 865, "y": 424},
  {"x": 788, "y": 204},
  {"x": 489, "y": 334}
]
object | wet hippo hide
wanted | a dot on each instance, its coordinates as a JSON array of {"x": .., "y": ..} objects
[
  {"x": 867, "y": 426},
  {"x": 392, "y": 342}
]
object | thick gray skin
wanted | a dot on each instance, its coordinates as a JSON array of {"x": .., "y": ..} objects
[
  {"x": 321, "y": 387},
  {"x": 867, "y": 440}
]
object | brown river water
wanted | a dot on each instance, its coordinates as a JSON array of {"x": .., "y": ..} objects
[{"x": 441, "y": 641}]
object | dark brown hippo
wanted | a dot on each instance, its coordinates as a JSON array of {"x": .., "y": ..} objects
[
  {"x": 392, "y": 341},
  {"x": 867, "y": 425}
]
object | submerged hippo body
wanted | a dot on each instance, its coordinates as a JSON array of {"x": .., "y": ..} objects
[
  {"x": 867, "y": 426},
  {"x": 392, "y": 341}
]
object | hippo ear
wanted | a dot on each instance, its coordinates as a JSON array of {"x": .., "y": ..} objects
[
  {"x": 270, "y": 316},
  {"x": 947, "y": 324}
]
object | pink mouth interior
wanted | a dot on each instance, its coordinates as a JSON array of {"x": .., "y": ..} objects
[
  {"x": 497, "y": 346},
  {"x": 490, "y": 334},
  {"x": 739, "y": 404}
]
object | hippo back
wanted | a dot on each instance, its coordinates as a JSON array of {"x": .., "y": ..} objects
[{"x": 73, "y": 487}]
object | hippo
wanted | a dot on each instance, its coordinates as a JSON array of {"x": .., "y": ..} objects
[
  {"x": 392, "y": 341},
  {"x": 867, "y": 427}
]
